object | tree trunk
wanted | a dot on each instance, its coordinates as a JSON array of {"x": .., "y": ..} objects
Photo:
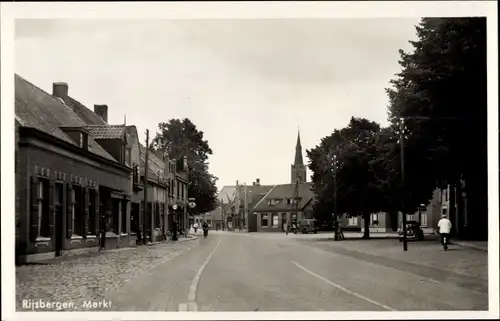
[{"x": 366, "y": 221}]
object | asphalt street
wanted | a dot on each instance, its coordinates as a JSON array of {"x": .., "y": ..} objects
[{"x": 273, "y": 272}]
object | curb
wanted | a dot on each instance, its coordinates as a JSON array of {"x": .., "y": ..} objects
[{"x": 469, "y": 246}]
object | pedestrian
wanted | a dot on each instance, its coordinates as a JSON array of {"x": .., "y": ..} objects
[
  {"x": 444, "y": 226},
  {"x": 205, "y": 229},
  {"x": 195, "y": 226},
  {"x": 285, "y": 228}
]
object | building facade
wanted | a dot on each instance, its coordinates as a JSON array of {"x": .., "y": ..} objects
[
  {"x": 68, "y": 187},
  {"x": 284, "y": 203}
]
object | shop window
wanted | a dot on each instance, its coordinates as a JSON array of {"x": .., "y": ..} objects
[
  {"x": 92, "y": 212},
  {"x": 124, "y": 218}
]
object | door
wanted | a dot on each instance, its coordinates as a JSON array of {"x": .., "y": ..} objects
[{"x": 59, "y": 227}]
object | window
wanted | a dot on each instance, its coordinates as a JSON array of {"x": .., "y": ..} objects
[
  {"x": 123, "y": 229},
  {"x": 157, "y": 215},
  {"x": 423, "y": 218},
  {"x": 264, "y": 222},
  {"x": 128, "y": 156},
  {"x": 92, "y": 212},
  {"x": 77, "y": 211},
  {"x": 73, "y": 210},
  {"x": 178, "y": 186},
  {"x": 275, "y": 220},
  {"x": 374, "y": 219},
  {"x": 352, "y": 221},
  {"x": 43, "y": 209},
  {"x": 273, "y": 202}
]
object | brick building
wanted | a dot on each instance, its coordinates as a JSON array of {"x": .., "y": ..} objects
[
  {"x": 155, "y": 224},
  {"x": 64, "y": 178}
]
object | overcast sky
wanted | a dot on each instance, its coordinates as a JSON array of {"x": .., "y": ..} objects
[{"x": 247, "y": 84}]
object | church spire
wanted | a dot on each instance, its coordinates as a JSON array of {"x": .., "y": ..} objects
[{"x": 298, "y": 151}]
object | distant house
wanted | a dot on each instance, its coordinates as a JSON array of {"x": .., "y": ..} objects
[
  {"x": 64, "y": 177},
  {"x": 268, "y": 207}
]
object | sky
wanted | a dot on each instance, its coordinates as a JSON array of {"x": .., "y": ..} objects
[{"x": 249, "y": 85}]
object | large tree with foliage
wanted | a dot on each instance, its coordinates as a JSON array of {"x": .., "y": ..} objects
[
  {"x": 358, "y": 194},
  {"x": 442, "y": 90},
  {"x": 180, "y": 138}
]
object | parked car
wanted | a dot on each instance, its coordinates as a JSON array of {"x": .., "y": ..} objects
[
  {"x": 309, "y": 226},
  {"x": 413, "y": 231}
]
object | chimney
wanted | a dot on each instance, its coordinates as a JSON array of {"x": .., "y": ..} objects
[
  {"x": 236, "y": 182},
  {"x": 257, "y": 182},
  {"x": 60, "y": 89},
  {"x": 102, "y": 111}
]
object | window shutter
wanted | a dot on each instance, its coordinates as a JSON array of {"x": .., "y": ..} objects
[
  {"x": 97, "y": 208},
  {"x": 52, "y": 207},
  {"x": 86, "y": 211},
  {"x": 69, "y": 207},
  {"x": 35, "y": 194}
]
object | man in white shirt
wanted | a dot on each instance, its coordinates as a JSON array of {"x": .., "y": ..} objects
[
  {"x": 444, "y": 226},
  {"x": 195, "y": 226}
]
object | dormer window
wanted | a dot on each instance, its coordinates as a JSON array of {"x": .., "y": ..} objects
[
  {"x": 79, "y": 135},
  {"x": 274, "y": 201},
  {"x": 84, "y": 140}
]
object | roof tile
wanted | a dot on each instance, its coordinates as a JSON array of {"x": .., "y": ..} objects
[{"x": 37, "y": 109}]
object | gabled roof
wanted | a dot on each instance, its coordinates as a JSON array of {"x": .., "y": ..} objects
[
  {"x": 154, "y": 163},
  {"x": 37, "y": 109},
  {"x": 254, "y": 194},
  {"x": 282, "y": 192},
  {"x": 106, "y": 131},
  {"x": 87, "y": 115},
  {"x": 227, "y": 192}
]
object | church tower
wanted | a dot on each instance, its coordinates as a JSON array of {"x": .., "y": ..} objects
[{"x": 298, "y": 167}]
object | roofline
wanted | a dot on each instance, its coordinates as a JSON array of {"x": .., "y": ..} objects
[
  {"x": 265, "y": 196},
  {"x": 57, "y": 141}
]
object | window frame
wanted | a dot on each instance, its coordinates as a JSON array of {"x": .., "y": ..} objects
[
  {"x": 275, "y": 216},
  {"x": 264, "y": 218}
]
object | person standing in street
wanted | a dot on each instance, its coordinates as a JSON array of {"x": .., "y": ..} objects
[
  {"x": 195, "y": 226},
  {"x": 285, "y": 228},
  {"x": 444, "y": 226},
  {"x": 205, "y": 229}
]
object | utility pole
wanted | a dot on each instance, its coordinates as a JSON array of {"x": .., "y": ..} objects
[
  {"x": 401, "y": 141},
  {"x": 146, "y": 170},
  {"x": 245, "y": 214},
  {"x": 336, "y": 223}
]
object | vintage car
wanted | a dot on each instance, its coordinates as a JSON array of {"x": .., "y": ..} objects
[
  {"x": 413, "y": 231},
  {"x": 309, "y": 226}
]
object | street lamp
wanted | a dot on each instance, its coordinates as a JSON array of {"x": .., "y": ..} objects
[
  {"x": 175, "y": 237},
  {"x": 402, "y": 136},
  {"x": 335, "y": 216},
  {"x": 191, "y": 205}
]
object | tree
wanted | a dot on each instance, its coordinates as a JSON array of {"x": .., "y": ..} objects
[
  {"x": 443, "y": 82},
  {"x": 357, "y": 194},
  {"x": 225, "y": 208},
  {"x": 180, "y": 138}
]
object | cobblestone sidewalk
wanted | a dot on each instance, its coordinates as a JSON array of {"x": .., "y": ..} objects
[{"x": 87, "y": 279}]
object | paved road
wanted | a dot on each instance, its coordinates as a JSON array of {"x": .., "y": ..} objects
[{"x": 255, "y": 272}]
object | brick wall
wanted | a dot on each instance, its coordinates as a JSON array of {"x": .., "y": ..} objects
[{"x": 56, "y": 159}]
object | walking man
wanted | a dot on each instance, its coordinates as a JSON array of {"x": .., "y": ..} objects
[
  {"x": 195, "y": 226},
  {"x": 285, "y": 227}
]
